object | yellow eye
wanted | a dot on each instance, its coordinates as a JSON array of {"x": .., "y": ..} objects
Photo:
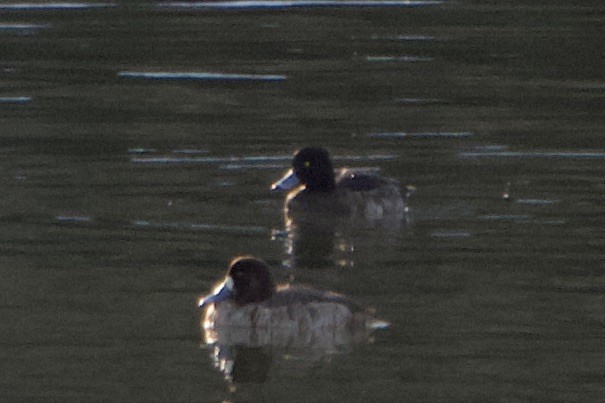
[{"x": 307, "y": 164}]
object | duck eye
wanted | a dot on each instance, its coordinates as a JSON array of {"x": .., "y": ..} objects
[{"x": 307, "y": 164}]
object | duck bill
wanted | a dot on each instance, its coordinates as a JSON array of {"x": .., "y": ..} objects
[
  {"x": 221, "y": 293},
  {"x": 289, "y": 181}
]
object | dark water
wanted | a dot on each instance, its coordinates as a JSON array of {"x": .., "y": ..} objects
[{"x": 124, "y": 196}]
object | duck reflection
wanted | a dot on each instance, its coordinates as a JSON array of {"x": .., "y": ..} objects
[
  {"x": 310, "y": 244},
  {"x": 241, "y": 363},
  {"x": 335, "y": 241},
  {"x": 329, "y": 212},
  {"x": 250, "y": 322}
]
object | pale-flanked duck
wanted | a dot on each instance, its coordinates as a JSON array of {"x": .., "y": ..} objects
[
  {"x": 247, "y": 308},
  {"x": 316, "y": 187}
]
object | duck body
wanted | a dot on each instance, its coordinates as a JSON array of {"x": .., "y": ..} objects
[
  {"x": 289, "y": 307},
  {"x": 315, "y": 324},
  {"x": 287, "y": 316},
  {"x": 316, "y": 187}
]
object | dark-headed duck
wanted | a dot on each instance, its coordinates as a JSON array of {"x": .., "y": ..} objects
[
  {"x": 257, "y": 312},
  {"x": 316, "y": 187}
]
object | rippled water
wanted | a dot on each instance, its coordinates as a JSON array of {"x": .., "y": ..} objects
[{"x": 139, "y": 141}]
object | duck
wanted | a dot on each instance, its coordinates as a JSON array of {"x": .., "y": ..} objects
[
  {"x": 314, "y": 187},
  {"x": 247, "y": 308}
]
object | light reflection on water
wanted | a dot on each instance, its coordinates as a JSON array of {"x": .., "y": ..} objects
[
  {"x": 240, "y": 162},
  {"x": 15, "y": 100},
  {"x": 275, "y": 4},
  {"x": 201, "y": 227},
  {"x": 388, "y": 59},
  {"x": 123, "y": 198},
  {"x": 41, "y": 6},
  {"x": 201, "y": 76},
  {"x": 535, "y": 154},
  {"x": 421, "y": 135}
]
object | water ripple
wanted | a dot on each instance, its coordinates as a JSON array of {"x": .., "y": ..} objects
[
  {"x": 141, "y": 150},
  {"x": 535, "y": 154},
  {"x": 400, "y": 135},
  {"x": 55, "y": 6},
  {"x": 418, "y": 101},
  {"x": 23, "y": 29},
  {"x": 536, "y": 202},
  {"x": 388, "y": 59},
  {"x": 73, "y": 218},
  {"x": 405, "y": 38},
  {"x": 491, "y": 148},
  {"x": 15, "y": 100},
  {"x": 451, "y": 234},
  {"x": 236, "y": 229},
  {"x": 189, "y": 151},
  {"x": 268, "y": 4},
  {"x": 245, "y": 167},
  {"x": 238, "y": 162},
  {"x": 505, "y": 217},
  {"x": 199, "y": 76}
]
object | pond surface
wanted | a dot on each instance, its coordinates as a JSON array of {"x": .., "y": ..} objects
[{"x": 139, "y": 141}]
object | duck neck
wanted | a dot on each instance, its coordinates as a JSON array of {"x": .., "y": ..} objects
[
  {"x": 255, "y": 292},
  {"x": 328, "y": 185}
]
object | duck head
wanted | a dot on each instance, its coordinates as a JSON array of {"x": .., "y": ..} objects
[
  {"x": 248, "y": 280},
  {"x": 311, "y": 167}
]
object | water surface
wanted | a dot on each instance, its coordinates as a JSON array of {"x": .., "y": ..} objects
[{"x": 124, "y": 198}]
